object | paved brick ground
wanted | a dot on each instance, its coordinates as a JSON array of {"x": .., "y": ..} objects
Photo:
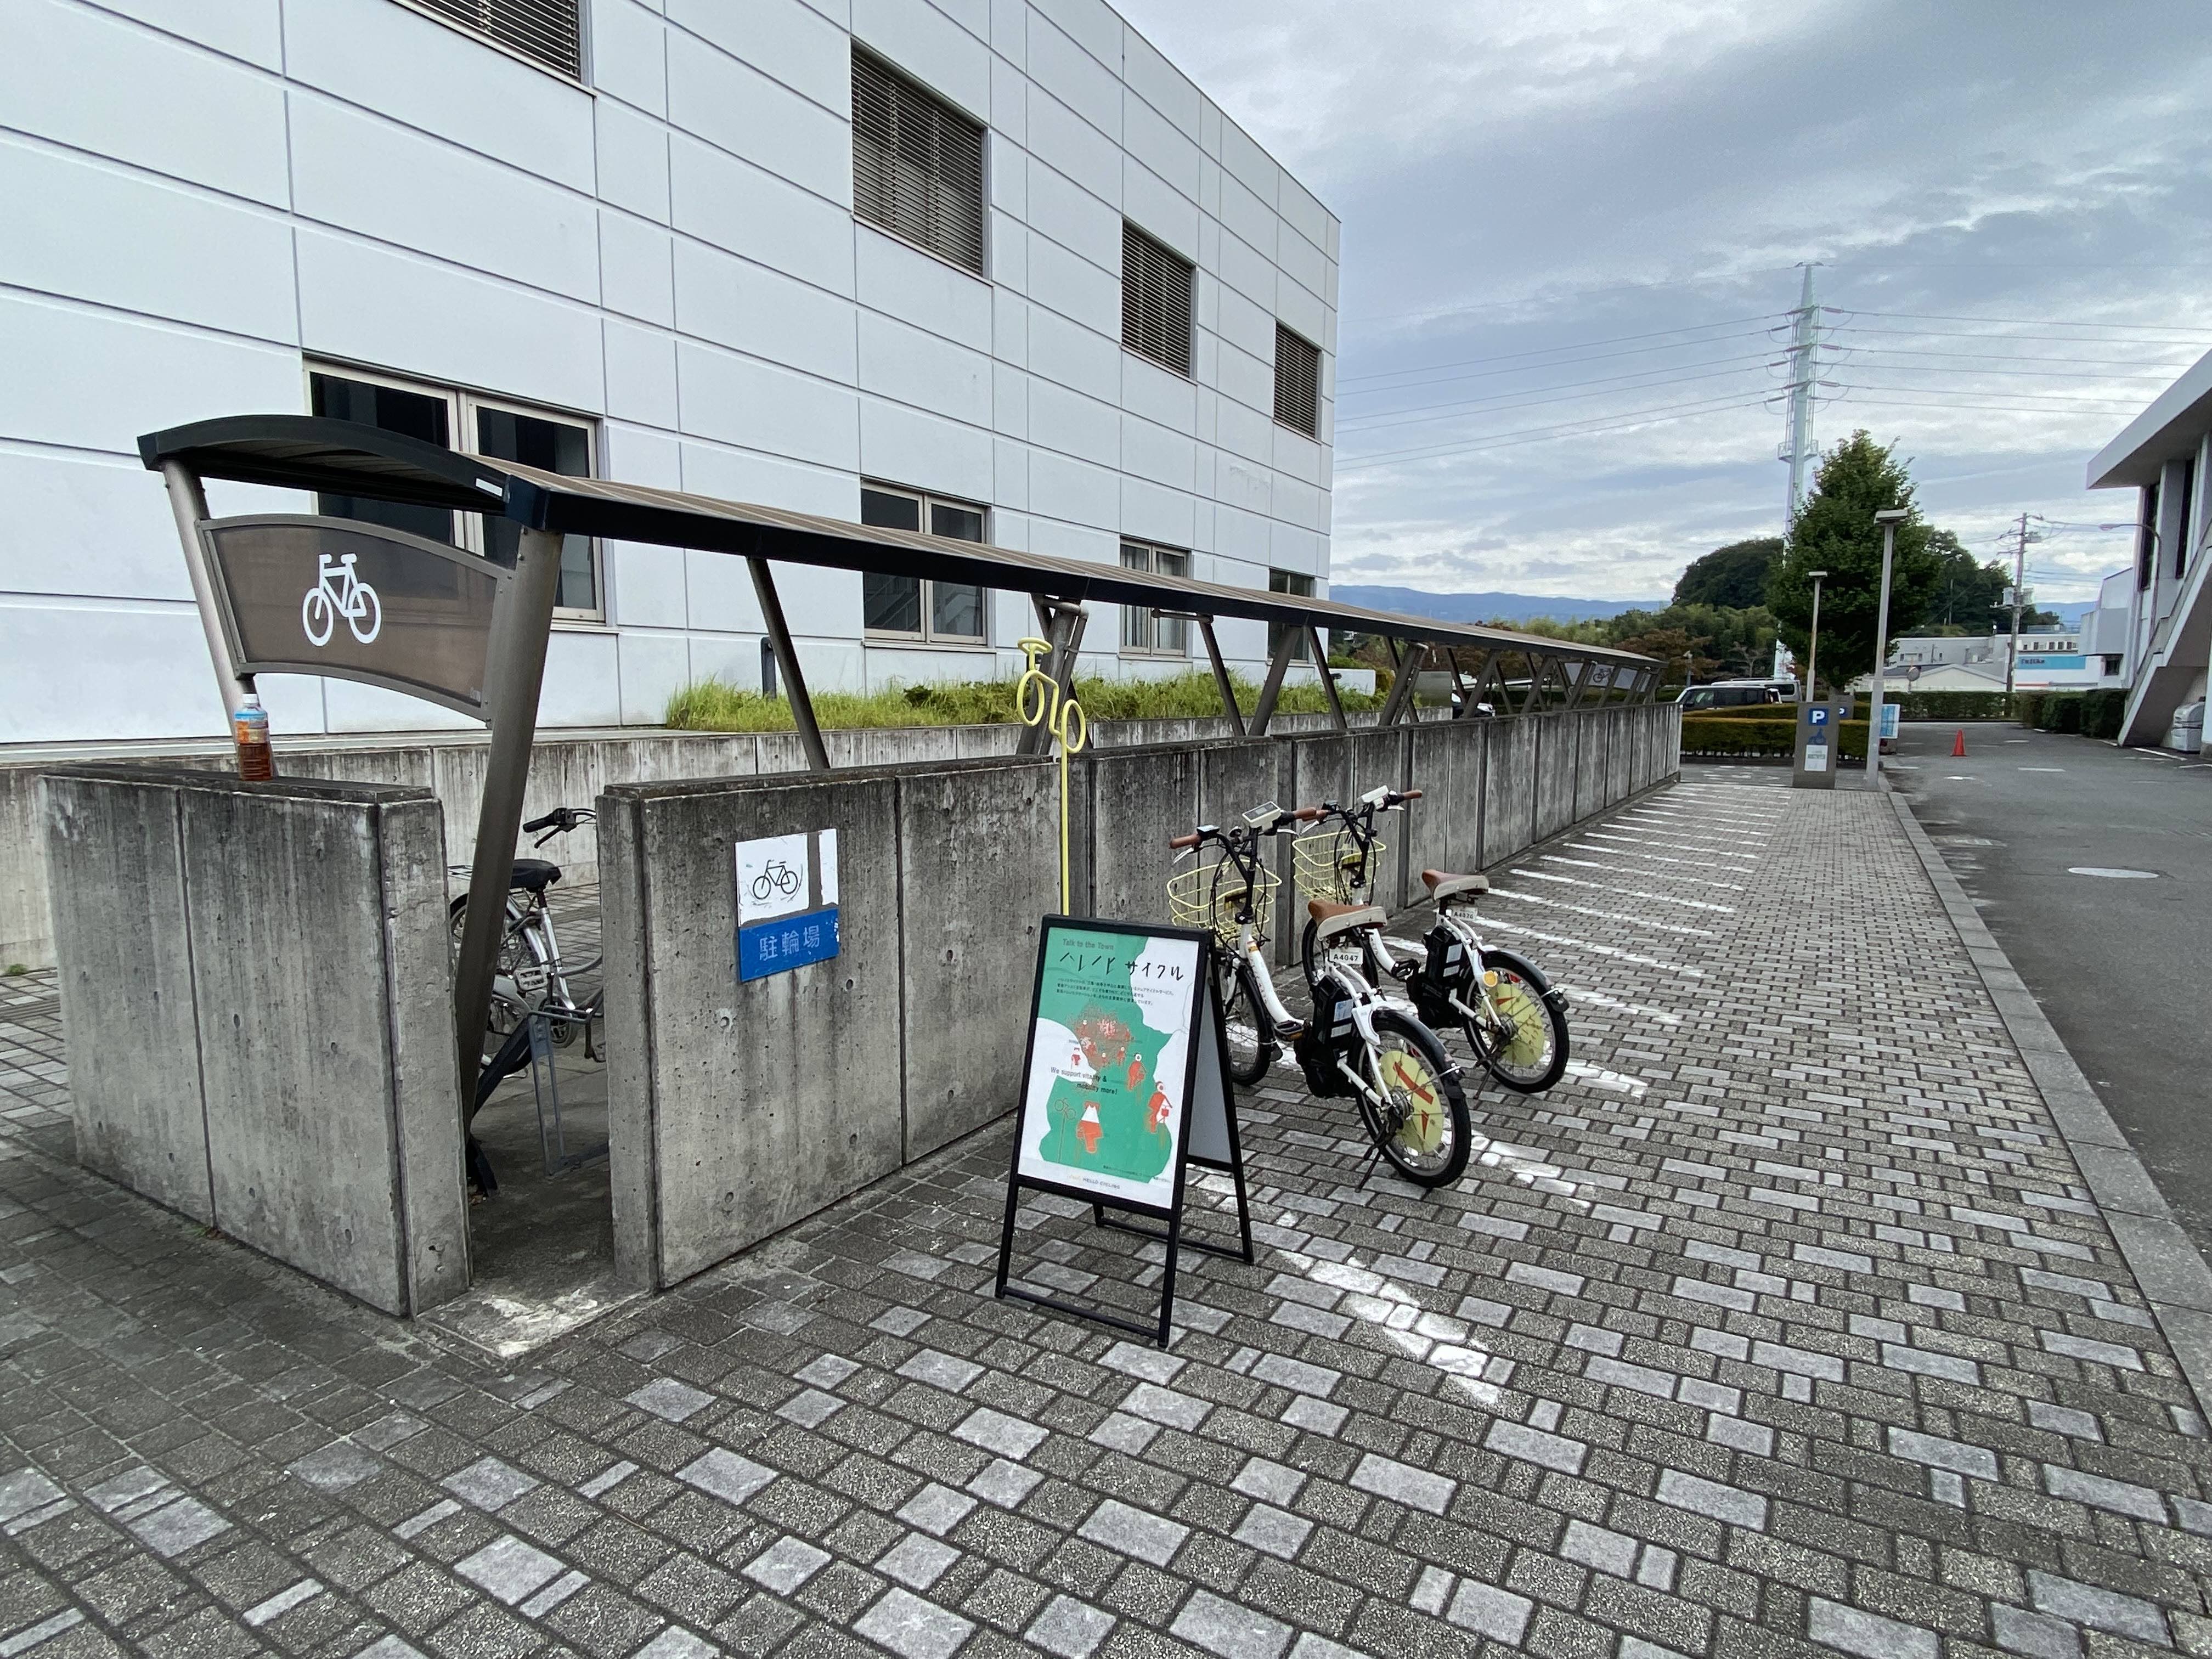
[{"x": 1783, "y": 1325}]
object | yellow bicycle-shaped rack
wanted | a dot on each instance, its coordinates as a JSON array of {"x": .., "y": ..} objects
[{"x": 1038, "y": 700}]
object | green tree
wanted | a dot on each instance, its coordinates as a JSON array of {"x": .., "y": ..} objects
[
  {"x": 1734, "y": 576},
  {"x": 1966, "y": 591},
  {"x": 1836, "y": 532}
]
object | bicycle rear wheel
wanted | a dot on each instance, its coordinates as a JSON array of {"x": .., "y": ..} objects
[
  {"x": 1244, "y": 1023},
  {"x": 518, "y": 950},
  {"x": 1425, "y": 1133},
  {"x": 1520, "y": 1033}
]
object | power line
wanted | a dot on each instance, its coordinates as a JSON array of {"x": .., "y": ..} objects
[
  {"x": 1571, "y": 345},
  {"x": 1415, "y": 417},
  {"x": 2007, "y": 339},
  {"x": 1566, "y": 428},
  {"x": 1534, "y": 368},
  {"x": 1945, "y": 317},
  {"x": 1959, "y": 368},
  {"x": 2024, "y": 394}
]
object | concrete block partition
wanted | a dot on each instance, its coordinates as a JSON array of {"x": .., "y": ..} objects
[
  {"x": 255, "y": 989},
  {"x": 1559, "y": 739},
  {"x": 1593, "y": 737},
  {"x": 1509, "y": 790},
  {"x": 1444, "y": 831}
]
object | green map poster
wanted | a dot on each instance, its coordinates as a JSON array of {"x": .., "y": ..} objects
[{"x": 1104, "y": 1104}]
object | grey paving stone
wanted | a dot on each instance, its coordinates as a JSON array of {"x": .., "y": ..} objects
[
  {"x": 509, "y": 1568},
  {"x": 1868, "y": 1634},
  {"x": 914, "y": 1628},
  {"x": 1789, "y": 1293},
  {"x": 1233, "y": 1631},
  {"x": 1070, "y": 1628}
]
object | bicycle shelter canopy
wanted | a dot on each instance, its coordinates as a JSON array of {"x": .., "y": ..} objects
[{"x": 348, "y": 458}]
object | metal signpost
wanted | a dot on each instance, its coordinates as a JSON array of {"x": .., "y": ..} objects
[
  {"x": 1889, "y": 518},
  {"x": 1819, "y": 747},
  {"x": 1124, "y": 1084}
]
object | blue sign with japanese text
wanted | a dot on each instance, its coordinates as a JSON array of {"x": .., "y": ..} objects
[
  {"x": 787, "y": 942},
  {"x": 786, "y": 889}
]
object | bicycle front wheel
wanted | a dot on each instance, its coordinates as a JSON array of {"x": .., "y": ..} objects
[
  {"x": 519, "y": 950},
  {"x": 1424, "y": 1129},
  {"x": 1519, "y": 1032},
  {"x": 1244, "y": 1023}
]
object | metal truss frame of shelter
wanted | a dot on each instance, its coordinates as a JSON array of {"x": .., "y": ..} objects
[{"x": 1523, "y": 672}]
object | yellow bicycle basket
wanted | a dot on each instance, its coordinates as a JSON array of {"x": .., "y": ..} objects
[
  {"x": 1211, "y": 894},
  {"x": 1327, "y": 865}
]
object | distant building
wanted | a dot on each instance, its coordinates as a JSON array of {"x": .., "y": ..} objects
[
  {"x": 2048, "y": 660},
  {"x": 2162, "y": 455}
]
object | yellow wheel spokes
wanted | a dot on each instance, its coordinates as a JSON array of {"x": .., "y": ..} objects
[
  {"x": 1517, "y": 1006},
  {"x": 1421, "y": 1131}
]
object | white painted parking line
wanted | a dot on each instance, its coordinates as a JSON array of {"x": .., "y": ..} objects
[
  {"x": 2042, "y": 768},
  {"x": 1630, "y": 917},
  {"x": 1679, "y": 847},
  {"x": 1629, "y": 892},
  {"x": 1681, "y": 967},
  {"x": 2110, "y": 874},
  {"x": 1592, "y": 864},
  {"x": 1576, "y": 994}
]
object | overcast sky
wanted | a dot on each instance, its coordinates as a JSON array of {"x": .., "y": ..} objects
[{"x": 1526, "y": 188}]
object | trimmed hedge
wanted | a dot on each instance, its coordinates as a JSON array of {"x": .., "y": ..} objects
[
  {"x": 1722, "y": 736},
  {"x": 1911, "y": 705},
  {"x": 2095, "y": 714},
  {"x": 2102, "y": 711}
]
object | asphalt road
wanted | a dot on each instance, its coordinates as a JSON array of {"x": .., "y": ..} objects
[{"x": 2122, "y": 966}]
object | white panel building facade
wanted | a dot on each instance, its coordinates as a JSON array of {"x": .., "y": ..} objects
[{"x": 1077, "y": 311}]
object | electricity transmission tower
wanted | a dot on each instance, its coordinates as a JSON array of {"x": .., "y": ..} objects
[{"x": 1798, "y": 449}]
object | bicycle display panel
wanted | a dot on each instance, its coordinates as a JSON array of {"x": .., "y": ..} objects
[
  {"x": 787, "y": 889},
  {"x": 356, "y": 601}
]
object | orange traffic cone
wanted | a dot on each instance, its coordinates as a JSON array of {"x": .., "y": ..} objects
[{"x": 1959, "y": 746}]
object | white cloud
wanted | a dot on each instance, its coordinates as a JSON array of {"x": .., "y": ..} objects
[{"x": 1529, "y": 179}]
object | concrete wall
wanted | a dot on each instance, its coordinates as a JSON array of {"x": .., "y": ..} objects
[
  {"x": 741, "y": 1108},
  {"x": 1509, "y": 790},
  {"x": 566, "y": 769},
  {"x": 254, "y": 985}
]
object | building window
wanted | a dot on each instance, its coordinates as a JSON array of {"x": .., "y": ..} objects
[
  {"x": 544, "y": 31},
  {"x": 917, "y": 164},
  {"x": 502, "y": 431},
  {"x": 1155, "y": 301},
  {"x": 1144, "y": 634},
  {"x": 910, "y": 607},
  {"x": 2181, "y": 518},
  {"x": 2111, "y": 664},
  {"x": 2147, "y": 536},
  {"x": 1289, "y": 581},
  {"x": 1298, "y": 382}
]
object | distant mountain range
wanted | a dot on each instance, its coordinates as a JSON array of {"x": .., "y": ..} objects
[
  {"x": 1523, "y": 607},
  {"x": 1484, "y": 607}
]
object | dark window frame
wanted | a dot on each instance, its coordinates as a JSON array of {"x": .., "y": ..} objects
[
  {"x": 554, "y": 46},
  {"x": 1298, "y": 382},
  {"x": 909, "y": 181},
  {"x": 1157, "y": 282},
  {"x": 1288, "y": 581},
  {"x": 462, "y": 405},
  {"x": 924, "y": 502},
  {"x": 1165, "y": 639}
]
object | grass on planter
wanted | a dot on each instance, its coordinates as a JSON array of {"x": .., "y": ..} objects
[{"x": 715, "y": 705}]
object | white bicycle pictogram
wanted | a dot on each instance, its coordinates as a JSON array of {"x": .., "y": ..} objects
[{"x": 339, "y": 592}]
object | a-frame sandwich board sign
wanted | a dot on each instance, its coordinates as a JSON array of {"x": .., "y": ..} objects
[{"x": 1125, "y": 1084}]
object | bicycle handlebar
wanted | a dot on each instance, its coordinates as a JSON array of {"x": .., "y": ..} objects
[
  {"x": 1307, "y": 814},
  {"x": 560, "y": 821},
  {"x": 1183, "y": 844}
]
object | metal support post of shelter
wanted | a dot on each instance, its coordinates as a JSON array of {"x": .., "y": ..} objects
[
  {"x": 515, "y": 675},
  {"x": 787, "y": 662},
  {"x": 1411, "y": 661},
  {"x": 1328, "y": 679},
  {"x": 1272, "y": 688},
  {"x": 188, "y": 501},
  {"x": 1221, "y": 680}
]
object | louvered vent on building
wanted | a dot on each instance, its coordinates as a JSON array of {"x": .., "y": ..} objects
[
  {"x": 1298, "y": 382},
  {"x": 544, "y": 31},
  {"x": 1155, "y": 301},
  {"x": 917, "y": 164}
]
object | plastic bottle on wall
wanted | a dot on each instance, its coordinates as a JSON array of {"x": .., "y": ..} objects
[{"x": 249, "y": 729}]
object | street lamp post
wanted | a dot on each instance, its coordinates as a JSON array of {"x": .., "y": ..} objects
[
  {"x": 1812, "y": 652},
  {"x": 1888, "y": 519}
]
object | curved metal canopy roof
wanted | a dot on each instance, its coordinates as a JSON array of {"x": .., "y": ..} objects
[{"x": 312, "y": 453}]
